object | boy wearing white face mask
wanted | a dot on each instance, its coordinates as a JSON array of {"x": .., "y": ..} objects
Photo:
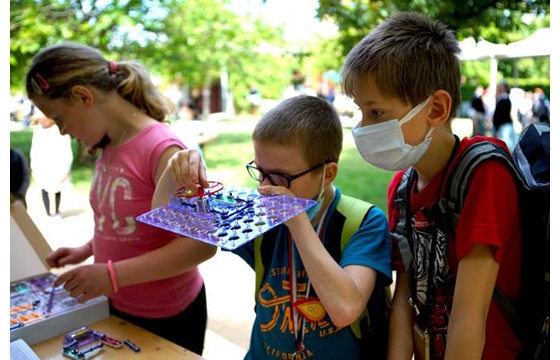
[
  {"x": 297, "y": 147},
  {"x": 405, "y": 77}
]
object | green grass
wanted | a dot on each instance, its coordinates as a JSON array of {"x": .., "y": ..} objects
[
  {"x": 359, "y": 179},
  {"x": 227, "y": 155}
]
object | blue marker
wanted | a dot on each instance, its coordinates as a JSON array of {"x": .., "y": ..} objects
[
  {"x": 131, "y": 345},
  {"x": 49, "y": 302}
]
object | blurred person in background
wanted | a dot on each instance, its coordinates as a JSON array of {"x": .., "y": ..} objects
[{"x": 51, "y": 160}]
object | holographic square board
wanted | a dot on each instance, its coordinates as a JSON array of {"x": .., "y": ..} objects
[{"x": 228, "y": 218}]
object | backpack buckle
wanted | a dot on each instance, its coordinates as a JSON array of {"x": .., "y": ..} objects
[{"x": 413, "y": 306}]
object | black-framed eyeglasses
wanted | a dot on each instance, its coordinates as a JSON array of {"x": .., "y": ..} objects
[{"x": 278, "y": 179}]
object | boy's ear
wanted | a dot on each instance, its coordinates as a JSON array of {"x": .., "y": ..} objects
[
  {"x": 440, "y": 109},
  {"x": 82, "y": 95},
  {"x": 330, "y": 173}
]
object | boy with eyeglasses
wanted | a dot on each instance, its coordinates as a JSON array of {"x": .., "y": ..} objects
[{"x": 297, "y": 147}]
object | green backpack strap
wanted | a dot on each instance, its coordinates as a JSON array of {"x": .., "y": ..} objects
[
  {"x": 355, "y": 211},
  {"x": 259, "y": 267}
]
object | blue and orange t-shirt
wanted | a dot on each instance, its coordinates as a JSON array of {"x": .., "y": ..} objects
[{"x": 273, "y": 333}]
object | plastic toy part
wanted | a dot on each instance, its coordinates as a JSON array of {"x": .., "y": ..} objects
[
  {"x": 86, "y": 353},
  {"x": 82, "y": 343},
  {"x": 227, "y": 218}
]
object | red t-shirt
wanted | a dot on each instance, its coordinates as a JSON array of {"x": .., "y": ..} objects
[{"x": 490, "y": 215}]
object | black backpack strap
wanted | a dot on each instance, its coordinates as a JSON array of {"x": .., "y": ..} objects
[
  {"x": 402, "y": 233},
  {"x": 459, "y": 176},
  {"x": 509, "y": 311},
  {"x": 457, "y": 188}
]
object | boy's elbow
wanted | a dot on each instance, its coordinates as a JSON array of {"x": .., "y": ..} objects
[{"x": 345, "y": 316}]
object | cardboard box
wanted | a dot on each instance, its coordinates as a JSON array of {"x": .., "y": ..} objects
[
  {"x": 28, "y": 247},
  {"x": 37, "y": 311}
]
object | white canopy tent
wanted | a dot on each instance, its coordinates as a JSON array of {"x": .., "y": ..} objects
[{"x": 538, "y": 44}]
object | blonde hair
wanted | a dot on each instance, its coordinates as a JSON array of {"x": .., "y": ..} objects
[{"x": 56, "y": 69}]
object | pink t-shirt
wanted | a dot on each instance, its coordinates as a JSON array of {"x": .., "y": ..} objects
[{"x": 122, "y": 189}]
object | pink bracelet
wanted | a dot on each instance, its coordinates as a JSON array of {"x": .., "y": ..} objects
[{"x": 112, "y": 275}]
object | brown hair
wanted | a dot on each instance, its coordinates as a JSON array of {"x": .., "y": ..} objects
[
  {"x": 56, "y": 69},
  {"x": 306, "y": 122},
  {"x": 410, "y": 56}
]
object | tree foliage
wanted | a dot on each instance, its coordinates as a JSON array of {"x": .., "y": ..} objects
[
  {"x": 190, "y": 40},
  {"x": 492, "y": 20},
  {"x": 38, "y": 23},
  {"x": 502, "y": 21},
  {"x": 194, "y": 41}
]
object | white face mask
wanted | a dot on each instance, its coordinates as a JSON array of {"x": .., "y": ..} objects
[
  {"x": 314, "y": 210},
  {"x": 383, "y": 144}
]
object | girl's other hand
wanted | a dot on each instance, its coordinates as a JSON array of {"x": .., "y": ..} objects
[{"x": 64, "y": 256}]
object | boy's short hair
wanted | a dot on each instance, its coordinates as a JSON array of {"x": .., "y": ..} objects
[
  {"x": 410, "y": 56},
  {"x": 309, "y": 123}
]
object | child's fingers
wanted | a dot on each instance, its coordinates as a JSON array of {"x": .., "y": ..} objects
[
  {"x": 266, "y": 189},
  {"x": 188, "y": 170},
  {"x": 64, "y": 260},
  {"x": 180, "y": 169},
  {"x": 53, "y": 258},
  {"x": 197, "y": 171},
  {"x": 62, "y": 279},
  {"x": 83, "y": 297},
  {"x": 202, "y": 177},
  {"x": 52, "y": 261}
]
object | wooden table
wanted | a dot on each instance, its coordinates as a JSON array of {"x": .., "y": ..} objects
[{"x": 151, "y": 345}]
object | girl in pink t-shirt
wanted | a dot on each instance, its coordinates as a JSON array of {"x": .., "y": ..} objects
[{"x": 150, "y": 275}]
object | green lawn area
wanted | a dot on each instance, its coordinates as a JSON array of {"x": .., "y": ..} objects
[{"x": 227, "y": 155}]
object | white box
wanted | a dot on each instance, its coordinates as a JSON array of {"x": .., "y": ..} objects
[{"x": 40, "y": 311}]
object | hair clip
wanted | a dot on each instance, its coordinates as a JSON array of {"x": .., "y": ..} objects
[
  {"x": 44, "y": 84},
  {"x": 112, "y": 67},
  {"x": 36, "y": 87}
]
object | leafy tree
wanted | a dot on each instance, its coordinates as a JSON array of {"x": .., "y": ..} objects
[
  {"x": 192, "y": 40},
  {"x": 38, "y": 23},
  {"x": 502, "y": 21},
  {"x": 493, "y": 20}
]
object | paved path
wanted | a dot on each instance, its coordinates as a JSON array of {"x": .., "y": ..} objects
[{"x": 229, "y": 281}]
